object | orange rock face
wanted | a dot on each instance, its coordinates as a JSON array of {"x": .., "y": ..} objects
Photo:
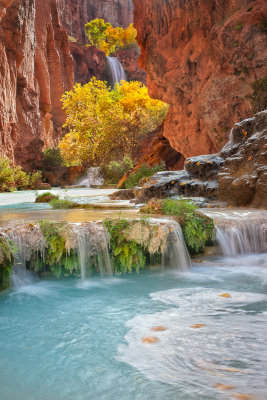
[
  {"x": 35, "y": 70},
  {"x": 201, "y": 57}
]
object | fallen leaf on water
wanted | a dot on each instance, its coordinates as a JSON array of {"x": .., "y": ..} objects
[
  {"x": 158, "y": 328},
  {"x": 150, "y": 339},
  {"x": 198, "y": 163},
  {"x": 229, "y": 206},
  {"x": 172, "y": 182},
  {"x": 245, "y": 133},
  {"x": 171, "y": 229},
  {"x": 196, "y": 326},
  {"x": 221, "y": 386},
  {"x": 242, "y": 396},
  {"x": 182, "y": 183},
  {"x": 226, "y": 295},
  {"x": 208, "y": 206},
  {"x": 235, "y": 183},
  {"x": 250, "y": 158}
]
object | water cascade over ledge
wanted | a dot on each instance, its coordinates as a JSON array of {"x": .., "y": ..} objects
[
  {"x": 83, "y": 249},
  {"x": 240, "y": 232},
  {"x": 116, "y": 71}
]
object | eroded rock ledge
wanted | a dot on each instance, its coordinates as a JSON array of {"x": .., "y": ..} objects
[{"x": 237, "y": 175}]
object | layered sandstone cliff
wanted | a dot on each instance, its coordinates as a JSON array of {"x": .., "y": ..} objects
[
  {"x": 35, "y": 70},
  {"x": 76, "y": 13},
  {"x": 202, "y": 58}
]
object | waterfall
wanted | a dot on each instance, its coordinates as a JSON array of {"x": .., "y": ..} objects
[
  {"x": 20, "y": 276},
  {"x": 116, "y": 70},
  {"x": 93, "y": 177},
  {"x": 104, "y": 263},
  {"x": 84, "y": 252},
  {"x": 176, "y": 255},
  {"x": 244, "y": 238}
]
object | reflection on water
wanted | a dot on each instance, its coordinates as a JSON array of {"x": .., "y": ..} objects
[
  {"x": 21, "y": 206},
  {"x": 66, "y": 215}
]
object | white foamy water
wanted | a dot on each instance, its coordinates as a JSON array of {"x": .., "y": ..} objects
[{"x": 227, "y": 347}]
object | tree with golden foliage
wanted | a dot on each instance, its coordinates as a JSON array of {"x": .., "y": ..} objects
[
  {"x": 106, "y": 125},
  {"x": 107, "y": 38}
]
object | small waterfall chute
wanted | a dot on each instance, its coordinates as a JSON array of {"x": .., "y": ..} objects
[
  {"x": 116, "y": 71},
  {"x": 244, "y": 238},
  {"x": 175, "y": 254},
  {"x": 93, "y": 178},
  {"x": 104, "y": 262},
  {"x": 20, "y": 275},
  {"x": 84, "y": 253}
]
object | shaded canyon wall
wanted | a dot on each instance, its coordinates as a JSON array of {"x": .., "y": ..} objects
[
  {"x": 35, "y": 70},
  {"x": 202, "y": 57}
]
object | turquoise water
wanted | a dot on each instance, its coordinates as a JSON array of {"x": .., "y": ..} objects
[{"x": 76, "y": 340}]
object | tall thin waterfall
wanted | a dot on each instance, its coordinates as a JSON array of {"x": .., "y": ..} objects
[
  {"x": 20, "y": 276},
  {"x": 84, "y": 252},
  {"x": 244, "y": 238},
  {"x": 116, "y": 70},
  {"x": 176, "y": 255}
]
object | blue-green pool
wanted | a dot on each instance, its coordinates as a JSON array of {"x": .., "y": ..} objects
[{"x": 76, "y": 340}]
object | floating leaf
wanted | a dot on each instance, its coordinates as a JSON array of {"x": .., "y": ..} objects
[
  {"x": 226, "y": 295},
  {"x": 223, "y": 387},
  {"x": 182, "y": 183},
  {"x": 158, "y": 328},
  {"x": 198, "y": 163},
  {"x": 197, "y": 326},
  {"x": 150, "y": 339},
  {"x": 250, "y": 158}
]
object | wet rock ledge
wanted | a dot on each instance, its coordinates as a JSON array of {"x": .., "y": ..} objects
[{"x": 237, "y": 175}]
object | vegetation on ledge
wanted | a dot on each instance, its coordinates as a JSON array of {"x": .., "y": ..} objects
[
  {"x": 6, "y": 261},
  {"x": 198, "y": 229},
  {"x": 46, "y": 197},
  {"x": 135, "y": 243},
  {"x": 14, "y": 178}
]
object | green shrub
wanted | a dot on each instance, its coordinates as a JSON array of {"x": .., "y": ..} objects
[
  {"x": 35, "y": 180},
  {"x": 62, "y": 204},
  {"x": 56, "y": 258},
  {"x": 52, "y": 158},
  {"x": 46, "y": 197},
  {"x": 126, "y": 255},
  {"x": 197, "y": 228},
  {"x": 13, "y": 178},
  {"x": 6, "y": 260},
  {"x": 114, "y": 171},
  {"x": 143, "y": 172}
]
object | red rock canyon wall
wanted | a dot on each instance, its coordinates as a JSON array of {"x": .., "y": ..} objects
[
  {"x": 201, "y": 57},
  {"x": 35, "y": 70}
]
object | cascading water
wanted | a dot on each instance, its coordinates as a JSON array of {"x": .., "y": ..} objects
[
  {"x": 93, "y": 177},
  {"x": 175, "y": 255},
  {"x": 240, "y": 231},
  {"x": 104, "y": 263},
  {"x": 116, "y": 71},
  {"x": 20, "y": 276},
  {"x": 84, "y": 252},
  {"x": 242, "y": 239}
]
